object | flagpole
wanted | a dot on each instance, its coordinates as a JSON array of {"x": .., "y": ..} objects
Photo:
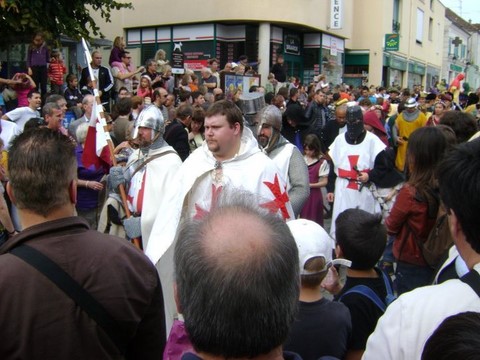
[{"x": 101, "y": 118}]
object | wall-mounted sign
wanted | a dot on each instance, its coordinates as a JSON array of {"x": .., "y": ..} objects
[
  {"x": 292, "y": 44},
  {"x": 336, "y": 14},
  {"x": 333, "y": 47},
  {"x": 392, "y": 42},
  {"x": 177, "y": 59}
]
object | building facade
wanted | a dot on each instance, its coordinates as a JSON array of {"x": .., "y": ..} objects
[
  {"x": 461, "y": 55},
  {"x": 367, "y": 42}
]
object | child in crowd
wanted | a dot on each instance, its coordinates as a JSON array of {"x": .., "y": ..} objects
[
  {"x": 22, "y": 89},
  {"x": 37, "y": 62},
  {"x": 318, "y": 170},
  {"x": 145, "y": 88},
  {"x": 73, "y": 95},
  {"x": 88, "y": 88},
  {"x": 119, "y": 46},
  {"x": 361, "y": 238},
  {"x": 322, "y": 327},
  {"x": 56, "y": 71}
]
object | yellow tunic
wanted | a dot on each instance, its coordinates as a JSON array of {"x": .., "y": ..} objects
[{"x": 405, "y": 128}]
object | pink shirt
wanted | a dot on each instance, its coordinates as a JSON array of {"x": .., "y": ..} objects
[{"x": 22, "y": 95}]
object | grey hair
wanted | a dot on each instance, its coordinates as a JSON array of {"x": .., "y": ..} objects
[
  {"x": 49, "y": 107},
  {"x": 81, "y": 132}
]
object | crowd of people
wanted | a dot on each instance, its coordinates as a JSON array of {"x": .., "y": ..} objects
[{"x": 235, "y": 257}]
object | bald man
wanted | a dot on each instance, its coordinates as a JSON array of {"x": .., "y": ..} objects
[{"x": 237, "y": 281}]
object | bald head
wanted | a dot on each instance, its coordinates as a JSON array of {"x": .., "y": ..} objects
[
  {"x": 234, "y": 238},
  {"x": 237, "y": 260},
  {"x": 341, "y": 115}
]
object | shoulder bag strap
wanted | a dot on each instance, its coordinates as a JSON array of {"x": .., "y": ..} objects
[
  {"x": 472, "y": 278},
  {"x": 151, "y": 158},
  {"x": 74, "y": 290},
  {"x": 367, "y": 292}
]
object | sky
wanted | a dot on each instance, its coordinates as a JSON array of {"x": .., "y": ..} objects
[{"x": 467, "y": 9}]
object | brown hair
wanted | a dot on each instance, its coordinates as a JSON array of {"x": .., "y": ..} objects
[
  {"x": 313, "y": 142},
  {"x": 311, "y": 281},
  {"x": 229, "y": 110}
]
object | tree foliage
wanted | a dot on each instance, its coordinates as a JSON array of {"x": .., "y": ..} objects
[{"x": 54, "y": 17}]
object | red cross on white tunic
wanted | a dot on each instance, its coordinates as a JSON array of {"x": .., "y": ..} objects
[
  {"x": 281, "y": 198},
  {"x": 351, "y": 174},
  {"x": 201, "y": 212}
]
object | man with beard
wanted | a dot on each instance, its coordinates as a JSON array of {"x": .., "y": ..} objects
[
  {"x": 358, "y": 157},
  {"x": 148, "y": 174},
  {"x": 407, "y": 122},
  {"x": 228, "y": 160},
  {"x": 285, "y": 155}
]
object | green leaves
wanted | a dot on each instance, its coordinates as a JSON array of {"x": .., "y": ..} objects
[{"x": 54, "y": 17}]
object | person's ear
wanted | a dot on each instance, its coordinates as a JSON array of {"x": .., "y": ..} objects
[
  {"x": 454, "y": 225},
  {"x": 72, "y": 191},
  {"x": 338, "y": 252},
  {"x": 10, "y": 193}
]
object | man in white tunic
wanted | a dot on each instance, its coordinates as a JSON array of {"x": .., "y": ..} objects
[
  {"x": 285, "y": 155},
  {"x": 148, "y": 175},
  {"x": 228, "y": 159},
  {"x": 358, "y": 157}
]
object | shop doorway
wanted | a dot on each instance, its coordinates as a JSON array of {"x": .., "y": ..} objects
[{"x": 294, "y": 66}]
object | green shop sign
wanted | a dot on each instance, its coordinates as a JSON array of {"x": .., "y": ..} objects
[
  {"x": 392, "y": 42},
  {"x": 456, "y": 68}
]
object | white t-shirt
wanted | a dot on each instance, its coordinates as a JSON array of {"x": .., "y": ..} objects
[
  {"x": 21, "y": 115},
  {"x": 9, "y": 131}
]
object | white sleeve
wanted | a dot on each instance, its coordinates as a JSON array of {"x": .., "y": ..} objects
[{"x": 324, "y": 169}]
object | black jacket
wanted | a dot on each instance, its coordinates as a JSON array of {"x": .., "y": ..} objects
[{"x": 176, "y": 135}]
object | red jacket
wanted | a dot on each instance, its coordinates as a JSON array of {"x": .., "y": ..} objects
[
  {"x": 409, "y": 209},
  {"x": 56, "y": 70}
]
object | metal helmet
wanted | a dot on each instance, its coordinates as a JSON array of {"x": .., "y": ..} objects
[
  {"x": 270, "y": 115},
  {"x": 354, "y": 113},
  {"x": 354, "y": 121},
  {"x": 151, "y": 118}
]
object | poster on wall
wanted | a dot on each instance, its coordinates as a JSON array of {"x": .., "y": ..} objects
[
  {"x": 249, "y": 81},
  {"x": 292, "y": 44},
  {"x": 230, "y": 83}
]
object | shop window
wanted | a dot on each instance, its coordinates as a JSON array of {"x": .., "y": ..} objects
[{"x": 419, "y": 33}]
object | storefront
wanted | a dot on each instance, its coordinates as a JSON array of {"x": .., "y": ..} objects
[
  {"x": 323, "y": 54},
  {"x": 396, "y": 68},
  {"x": 305, "y": 54},
  {"x": 416, "y": 72},
  {"x": 433, "y": 75}
]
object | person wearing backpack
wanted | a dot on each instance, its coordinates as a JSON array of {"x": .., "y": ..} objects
[
  {"x": 361, "y": 238},
  {"x": 322, "y": 327},
  {"x": 415, "y": 211},
  {"x": 403, "y": 330}
]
